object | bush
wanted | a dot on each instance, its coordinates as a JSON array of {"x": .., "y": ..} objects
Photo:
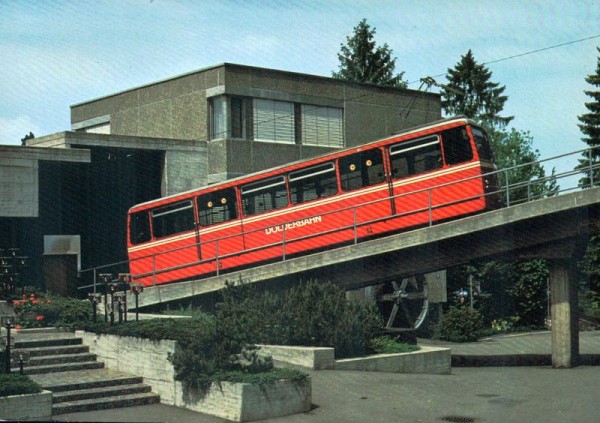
[
  {"x": 15, "y": 384},
  {"x": 311, "y": 314},
  {"x": 460, "y": 324},
  {"x": 36, "y": 311}
]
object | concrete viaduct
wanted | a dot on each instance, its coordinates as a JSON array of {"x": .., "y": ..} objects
[{"x": 556, "y": 229}]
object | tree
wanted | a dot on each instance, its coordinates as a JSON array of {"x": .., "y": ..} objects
[
  {"x": 590, "y": 127},
  {"x": 362, "y": 61},
  {"x": 470, "y": 92}
]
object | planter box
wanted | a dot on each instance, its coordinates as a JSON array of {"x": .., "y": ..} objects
[
  {"x": 430, "y": 360},
  {"x": 29, "y": 407},
  {"x": 234, "y": 401},
  {"x": 314, "y": 358},
  {"x": 244, "y": 402}
]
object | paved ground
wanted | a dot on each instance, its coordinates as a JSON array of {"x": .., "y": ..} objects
[{"x": 484, "y": 394}]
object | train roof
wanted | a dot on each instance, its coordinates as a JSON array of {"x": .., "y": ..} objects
[{"x": 233, "y": 181}]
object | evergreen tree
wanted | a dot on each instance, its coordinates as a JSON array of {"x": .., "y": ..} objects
[
  {"x": 470, "y": 92},
  {"x": 590, "y": 127},
  {"x": 361, "y": 60}
]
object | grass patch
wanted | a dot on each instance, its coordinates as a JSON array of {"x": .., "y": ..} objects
[{"x": 389, "y": 345}]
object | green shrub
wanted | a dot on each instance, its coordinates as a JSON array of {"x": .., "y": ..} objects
[
  {"x": 55, "y": 310},
  {"x": 15, "y": 384},
  {"x": 460, "y": 324},
  {"x": 389, "y": 345},
  {"x": 311, "y": 314}
]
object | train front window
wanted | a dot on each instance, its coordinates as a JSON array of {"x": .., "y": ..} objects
[
  {"x": 312, "y": 183},
  {"x": 217, "y": 207},
  {"x": 457, "y": 146},
  {"x": 362, "y": 170},
  {"x": 414, "y": 157},
  {"x": 139, "y": 227},
  {"x": 483, "y": 144},
  {"x": 173, "y": 219},
  {"x": 265, "y": 195}
]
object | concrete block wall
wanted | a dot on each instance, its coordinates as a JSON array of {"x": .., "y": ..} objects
[
  {"x": 29, "y": 407},
  {"x": 315, "y": 358}
]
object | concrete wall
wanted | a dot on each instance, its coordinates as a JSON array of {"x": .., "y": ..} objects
[{"x": 30, "y": 407}]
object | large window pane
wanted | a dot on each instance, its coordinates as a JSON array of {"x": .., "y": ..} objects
[
  {"x": 217, "y": 207},
  {"x": 173, "y": 219},
  {"x": 322, "y": 126},
  {"x": 139, "y": 226},
  {"x": 312, "y": 183},
  {"x": 219, "y": 118},
  {"x": 273, "y": 121},
  {"x": 262, "y": 196},
  {"x": 457, "y": 146},
  {"x": 361, "y": 170},
  {"x": 414, "y": 157}
]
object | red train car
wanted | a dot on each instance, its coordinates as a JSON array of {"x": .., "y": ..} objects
[{"x": 425, "y": 175}]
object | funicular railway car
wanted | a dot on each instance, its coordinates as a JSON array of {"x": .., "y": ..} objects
[{"x": 425, "y": 175}]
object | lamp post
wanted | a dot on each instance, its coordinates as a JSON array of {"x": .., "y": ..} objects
[
  {"x": 137, "y": 289},
  {"x": 8, "y": 346}
]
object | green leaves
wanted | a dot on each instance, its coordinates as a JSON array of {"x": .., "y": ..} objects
[{"x": 361, "y": 60}]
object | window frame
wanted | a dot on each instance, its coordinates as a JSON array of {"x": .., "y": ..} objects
[
  {"x": 312, "y": 172},
  {"x": 264, "y": 185},
  {"x": 172, "y": 209},
  {"x": 343, "y": 172},
  {"x": 205, "y": 215},
  {"x": 414, "y": 145}
]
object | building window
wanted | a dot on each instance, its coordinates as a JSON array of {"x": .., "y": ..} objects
[
  {"x": 322, "y": 126},
  {"x": 273, "y": 121},
  {"x": 218, "y": 118}
]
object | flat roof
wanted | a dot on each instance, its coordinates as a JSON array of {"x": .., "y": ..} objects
[{"x": 227, "y": 64}]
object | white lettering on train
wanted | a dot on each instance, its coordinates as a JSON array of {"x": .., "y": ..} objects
[{"x": 292, "y": 225}]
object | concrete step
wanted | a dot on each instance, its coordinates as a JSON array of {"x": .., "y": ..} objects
[
  {"x": 130, "y": 400},
  {"x": 84, "y": 379},
  {"x": 53, "y": 350},
  {"x": 60, "y": 359},
  {"x": 100, "y": 392},
  {"x": 23, "y": 343},
  {"x": 63, "y": 367}
]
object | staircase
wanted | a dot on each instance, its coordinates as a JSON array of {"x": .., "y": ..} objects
[{"x": 60, "y": 363}]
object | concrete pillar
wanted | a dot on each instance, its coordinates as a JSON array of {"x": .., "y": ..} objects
[{"x": 564, "y": 313}]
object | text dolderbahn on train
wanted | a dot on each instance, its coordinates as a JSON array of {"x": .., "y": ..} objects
[{"x": 427, "y": 174}]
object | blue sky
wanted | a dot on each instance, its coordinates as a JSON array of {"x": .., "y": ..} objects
[{"x": 58, "y": 53}]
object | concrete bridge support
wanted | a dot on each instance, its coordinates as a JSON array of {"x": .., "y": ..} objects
[{"x": 564, "y": 313}]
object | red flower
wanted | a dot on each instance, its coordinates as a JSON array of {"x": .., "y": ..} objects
[
  {"x": 34, "y": 301},
  {"x": 18, "y": 327},
  {"x": 40, "y": 317}
]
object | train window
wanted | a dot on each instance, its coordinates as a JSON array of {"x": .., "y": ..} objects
[
  {"x": 483, "y": 144},
  {"x": 312, "y": 183},
  {"x": 414, "y": 157},
  {"x": 265, "y": 195},
  {"x": 361, "y": 169},
  {"x": 216, "y": 207},
  {"x": 457, "y": 146},
  {"x": 172, "y": 219},
  {"x": 139, "y": 226}
]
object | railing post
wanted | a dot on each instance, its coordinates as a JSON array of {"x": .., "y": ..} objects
[
  {"x": 217, "y": 256},
  {"x": 94, "y": 280},
  {"x": 283, "y": 242},
  {"x": 591, "y": 168},
  {"x": 429, "y": 207},
  {"x": 154, "y": 270},
  {"x": 354, "y": 225},
  {"x": 507, "y": 189}
]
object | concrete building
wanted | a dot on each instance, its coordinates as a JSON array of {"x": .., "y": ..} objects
[{"x": 177, "y": 134}]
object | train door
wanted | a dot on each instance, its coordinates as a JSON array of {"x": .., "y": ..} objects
[{"x": 365, "y": 192}]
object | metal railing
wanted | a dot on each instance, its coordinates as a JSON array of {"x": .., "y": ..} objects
[{"x": 511, "y": 193}]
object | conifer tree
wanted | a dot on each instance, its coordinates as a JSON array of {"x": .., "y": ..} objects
[
  {"x": 590, "y": 127},
  {"x": 470, "y": 92},
  {"x": 361, "y": 60}
]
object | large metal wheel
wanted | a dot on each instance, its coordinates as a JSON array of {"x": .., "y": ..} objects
[{"x": 405, "y": 304}]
